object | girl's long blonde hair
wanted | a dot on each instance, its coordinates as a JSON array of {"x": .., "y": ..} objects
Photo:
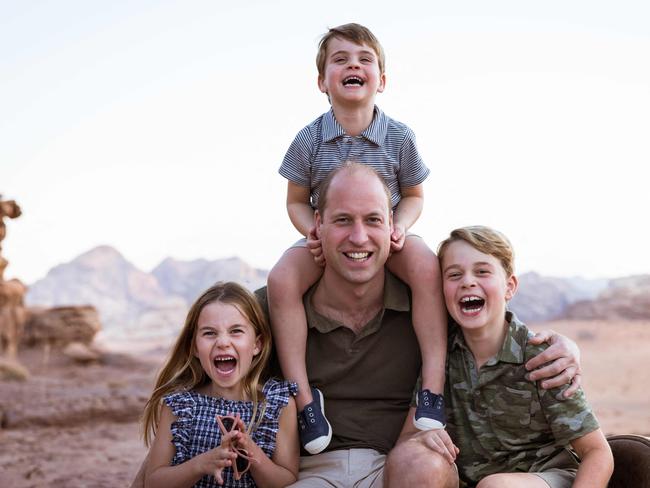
[{"x": 183, "y": 371}]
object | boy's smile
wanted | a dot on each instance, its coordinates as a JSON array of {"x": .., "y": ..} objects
[
  {"x": 475, "y": 287},
  {"x": 351, "y": 73}
]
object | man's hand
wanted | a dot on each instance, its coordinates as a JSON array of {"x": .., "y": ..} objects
[
  {"x": 438, "y": 441},
  {"x": 397, "y": 238},
  {"x": 314, "y": 246},
  {"x": 558, "y": 365}
]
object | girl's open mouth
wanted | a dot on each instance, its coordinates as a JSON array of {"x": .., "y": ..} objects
[{"x": 225, "y": 364}]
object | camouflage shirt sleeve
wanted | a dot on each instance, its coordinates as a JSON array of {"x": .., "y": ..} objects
[{"x": 568, "y": 418}]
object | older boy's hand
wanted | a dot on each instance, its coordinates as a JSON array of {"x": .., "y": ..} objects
[
  {"x": 438, "y": 441},
  {"x": 397, "y": 238},
  {"x": 314, "y": 246},
  {"x": 563, "y": 358}
]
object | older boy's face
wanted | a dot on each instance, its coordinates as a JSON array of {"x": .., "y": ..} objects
[
  {"x": 475, "y": 286},
  {"x": 351, "y": 73}
]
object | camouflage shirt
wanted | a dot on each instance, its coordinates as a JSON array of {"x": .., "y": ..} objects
[{"x": 502, "y": 422}]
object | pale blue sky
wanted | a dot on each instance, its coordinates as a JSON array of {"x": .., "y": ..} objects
[{"x": 137, "y": 124}]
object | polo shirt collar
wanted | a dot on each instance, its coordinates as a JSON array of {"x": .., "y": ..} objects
[
  {"x": 396, "y": 297},
  {"x": 514, "y": 345},
  {"x": 376, "y": 131}
]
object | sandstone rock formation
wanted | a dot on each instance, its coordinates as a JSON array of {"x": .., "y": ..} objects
[
  {"x": 12, "y": 309},
  {"x": 12, "y": 315},
  {"x": 60, "y": 326}
]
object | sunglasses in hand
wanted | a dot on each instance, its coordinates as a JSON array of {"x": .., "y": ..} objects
[{"x": 227, "y": 424}]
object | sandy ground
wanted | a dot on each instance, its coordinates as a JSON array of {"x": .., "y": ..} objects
[{"x": 77, "y": 426}]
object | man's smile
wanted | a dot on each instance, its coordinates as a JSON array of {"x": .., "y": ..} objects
[{"x": 358, "y": 255}]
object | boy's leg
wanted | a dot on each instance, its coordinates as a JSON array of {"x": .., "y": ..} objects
[
  {"x": 417, "y": 266},
  {"x": 287, "y": 282}
]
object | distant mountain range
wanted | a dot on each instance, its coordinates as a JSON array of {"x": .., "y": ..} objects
[{"x": 132, "y": 302}]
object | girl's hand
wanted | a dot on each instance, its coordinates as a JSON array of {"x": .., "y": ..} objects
[
  {"x": 314, "y": 246},
  {"x": 215, "y": 460}
]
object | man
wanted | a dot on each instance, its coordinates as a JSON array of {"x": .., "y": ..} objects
[{"x": 363, "y": 354}]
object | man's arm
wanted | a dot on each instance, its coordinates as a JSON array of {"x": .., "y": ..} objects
[{"x": 558, "y": 365}]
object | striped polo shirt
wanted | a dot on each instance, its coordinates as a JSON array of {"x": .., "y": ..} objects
[{"x": 386, "y": 145}]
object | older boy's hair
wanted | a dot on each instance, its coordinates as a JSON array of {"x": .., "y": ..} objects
[
  {"x": 349, "y": 167},
  {"x": 350, "y": 32},
  {"x": 485, "y": 240}
]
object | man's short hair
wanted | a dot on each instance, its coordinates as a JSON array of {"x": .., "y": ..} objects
[
  {"x": 354, "y": 33},
  {"x": 485, "y": 240},
  {"x": 350, "y": 167}
]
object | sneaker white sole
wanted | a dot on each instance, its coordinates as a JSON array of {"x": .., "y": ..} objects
[
  {"x": 427, "y": 424},
  {"x": 320, "y": 443}
]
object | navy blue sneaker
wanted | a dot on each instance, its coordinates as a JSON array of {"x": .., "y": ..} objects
[
  {"x": 314, "y": 429},
  {"x": 429, "y": 411}
]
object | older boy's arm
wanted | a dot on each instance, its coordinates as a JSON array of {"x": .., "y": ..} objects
[
  {"x": 596, "y": 460},
  {"x": 407, "y": 212},
  {"x": 563, "y": 358},
  {"x": 300, "y": 212}
]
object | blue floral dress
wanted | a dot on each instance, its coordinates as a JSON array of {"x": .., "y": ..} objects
[{"x": 196, "y": 430}]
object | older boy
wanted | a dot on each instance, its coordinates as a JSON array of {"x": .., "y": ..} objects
[
  {"x": 510, "y": 432},
  {"x": 351, "y": 72}
]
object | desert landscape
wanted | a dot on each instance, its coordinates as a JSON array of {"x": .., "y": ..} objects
[{"x": 76, "y": 425}]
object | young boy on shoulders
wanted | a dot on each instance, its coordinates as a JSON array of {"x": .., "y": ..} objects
[
  {"x": 510, "y": 432},
  {"x": 350, "y": 64}
]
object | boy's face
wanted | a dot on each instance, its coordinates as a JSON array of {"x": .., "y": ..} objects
[
  {"x": 351, "y": 73},
  {"x": 475, "y": 286}
]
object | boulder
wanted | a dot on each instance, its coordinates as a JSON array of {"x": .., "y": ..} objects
[
  {"x": 60, "y": 326},
  {"x": 81, "y": 353},
  {"x": 12, "y": 370}
]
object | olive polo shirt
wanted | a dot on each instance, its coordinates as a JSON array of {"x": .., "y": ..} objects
[
  {"x": 500, "y": 421},
  {"x": 367, "y": 379}
]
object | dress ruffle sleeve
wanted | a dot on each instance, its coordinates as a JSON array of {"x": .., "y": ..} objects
[
  {"x": 277, "y": 395},
  {"x": 182, "y": 405}
]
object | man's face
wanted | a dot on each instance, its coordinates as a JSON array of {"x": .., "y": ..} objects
[{"x": 355, "y": 227}]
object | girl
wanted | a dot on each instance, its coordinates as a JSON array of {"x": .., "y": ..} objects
[{"x": 209, "y": 390}]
